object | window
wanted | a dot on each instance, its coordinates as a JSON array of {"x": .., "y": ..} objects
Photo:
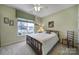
[
  {"x": 30, "y": 28},
  {"x": 25, "y": 27}
]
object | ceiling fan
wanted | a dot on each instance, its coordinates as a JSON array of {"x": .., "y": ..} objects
[{"x": 37, "y": 7}]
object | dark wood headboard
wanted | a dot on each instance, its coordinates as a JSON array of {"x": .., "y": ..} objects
[{"x": 57, "y": 32}]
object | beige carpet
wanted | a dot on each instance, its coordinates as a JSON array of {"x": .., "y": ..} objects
[
  {"x": 63, "y": 50},
  {"x": 17, "y": 49},
  {"x": 24, "y": 49}
]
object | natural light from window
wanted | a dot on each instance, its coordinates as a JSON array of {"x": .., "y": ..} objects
[{"x": 25, "y": 27}]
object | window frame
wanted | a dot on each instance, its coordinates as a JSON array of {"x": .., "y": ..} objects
[{"x": 27, "y": 21}]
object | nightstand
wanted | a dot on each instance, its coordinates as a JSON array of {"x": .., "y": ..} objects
[{"x": 64, "y": 41}]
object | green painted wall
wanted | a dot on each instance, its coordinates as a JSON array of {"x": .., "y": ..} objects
[
  {"x": 64, "y": 21},
  {"x": 78, "y": 29},
  {"x": 8, "y": 34}
]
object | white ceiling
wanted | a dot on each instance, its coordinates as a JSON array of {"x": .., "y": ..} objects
[{"x": 45, "y": 11}]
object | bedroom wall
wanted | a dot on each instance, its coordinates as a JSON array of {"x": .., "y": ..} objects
[
  {"x": 63, "y": 21},
  {"x": 8, "y": 34},
  {"x": 78, "y": 29},
  {"x": 0, "y": 29}
]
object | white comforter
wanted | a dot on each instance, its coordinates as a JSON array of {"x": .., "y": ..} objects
[{"x": 47, "y": 40}]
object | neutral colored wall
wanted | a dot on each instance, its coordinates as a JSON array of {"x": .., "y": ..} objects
[
  {"x": 78, "y": 23},
  {"x": 0, "y": 29},
  {"x": 63, "y": 21},
  {"x": 78, "y": 29},
  {"x": 8, "y": 33}
]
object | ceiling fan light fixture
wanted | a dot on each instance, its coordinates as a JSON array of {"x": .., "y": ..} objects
[{"x": 37, "y": 8}]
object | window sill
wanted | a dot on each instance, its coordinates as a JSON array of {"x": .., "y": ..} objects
[{"x": 21, "y": 35}]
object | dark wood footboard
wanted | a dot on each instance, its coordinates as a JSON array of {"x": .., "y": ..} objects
[{"x": 35, "y": 44}]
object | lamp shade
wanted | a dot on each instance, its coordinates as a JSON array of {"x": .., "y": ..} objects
[{"x": 40, "y": 29}]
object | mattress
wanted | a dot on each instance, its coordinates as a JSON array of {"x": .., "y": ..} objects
[
  {"x": 48, "y": 40},
  {"x": 42, "y": 36}
]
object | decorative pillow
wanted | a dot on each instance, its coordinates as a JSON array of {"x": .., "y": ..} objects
[{"x": 49, "y": 32}]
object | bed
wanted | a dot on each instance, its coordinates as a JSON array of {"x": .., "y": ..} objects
[{"x": 42, "y": 43}]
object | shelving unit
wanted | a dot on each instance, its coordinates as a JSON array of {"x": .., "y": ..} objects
[{"x": 70, "y": 38}]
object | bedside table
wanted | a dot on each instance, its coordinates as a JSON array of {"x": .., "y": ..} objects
[{"x": 64, "y": 41}]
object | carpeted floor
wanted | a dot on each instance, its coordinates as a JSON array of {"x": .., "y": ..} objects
[
  {"x": 24, "y": 49},
  {"x": 63, "y": 50}
]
